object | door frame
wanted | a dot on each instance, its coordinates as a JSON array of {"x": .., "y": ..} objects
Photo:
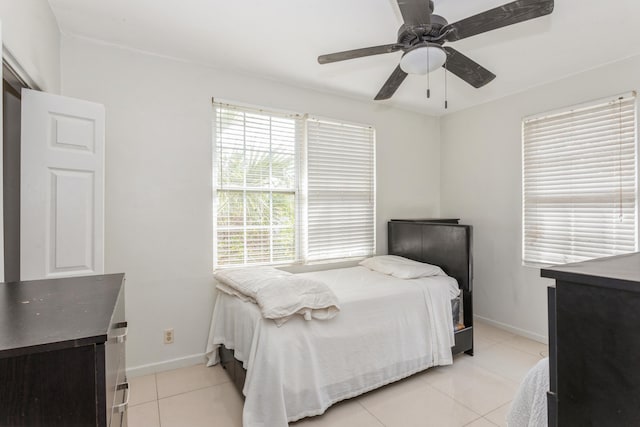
[{"x": 16, "y": 76}]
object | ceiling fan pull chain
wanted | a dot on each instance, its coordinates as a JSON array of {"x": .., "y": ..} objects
[
  {"x": 446, "y": 102},
  {"x": 428, "y": 77}
]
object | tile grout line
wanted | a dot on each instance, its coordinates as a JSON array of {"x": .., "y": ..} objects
[
  {"x": 471, "y": 422},
  {"x": 141, "y": 403},
  {"x": 485, "y": 415},
  {"x": 155, "y": 378},
  {"x": 468, "y": 424},
  {"x": 499, "y": 341},
  {"x": 537, "y": 354},
  {"x": 508, "y": 342},
  {"x": 159, "y": 418},
  {"x": 195, "y": 389},
  {"x": 481, "y": 418},
  {"x": 499, "y": 373},
  {"x": 487, "y": 371},
  {"x": 226, "y": 380},
  {"x": 370, "y": 413},
  {"x": 496, "y": 373},
  {"x": 466, "y": 406},
  {"x": 489, "y": 421},
  {"x": 462, "y": 404},
  {"x": 471, "y": 409}
]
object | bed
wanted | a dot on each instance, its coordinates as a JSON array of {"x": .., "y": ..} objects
[
  {"x": 383, "y": 332},
  {"x": 529, "y": 406}
]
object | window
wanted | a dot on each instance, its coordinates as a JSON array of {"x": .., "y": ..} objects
[
  {"x": 341, "y": 190},
  {"x": 256, "y": 186},
  {"x": 580, "y": 182},
  {"x": 290, "y": 188}
]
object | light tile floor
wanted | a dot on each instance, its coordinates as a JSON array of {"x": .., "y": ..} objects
[{"x": 475, "y": 391}]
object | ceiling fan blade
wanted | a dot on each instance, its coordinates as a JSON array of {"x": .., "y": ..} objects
[
  {"x": 508, "y": 14},
  {"x": 358, "y": 53},
  {"x": 392, "y": 84},
  {"x": 415, "y": 12},
  {"x": 467, "y": 69}
]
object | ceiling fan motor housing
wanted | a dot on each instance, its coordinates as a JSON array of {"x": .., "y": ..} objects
[{"x": 410, "y": 35}]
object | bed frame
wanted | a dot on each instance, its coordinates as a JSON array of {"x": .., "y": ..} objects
[
  {"x": 441, "y": 242},
  {"x": 447, "y": 244}
]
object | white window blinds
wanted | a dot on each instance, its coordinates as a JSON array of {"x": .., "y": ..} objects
[
  {"x": 256, "y": 185},
  {"x": 580, "y": 183},
  {"x": 288, "y": 188},
  {"x": 340, "y": 190}
]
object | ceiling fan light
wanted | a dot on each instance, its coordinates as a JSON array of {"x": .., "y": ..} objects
[{"x": 423, "y": 59}]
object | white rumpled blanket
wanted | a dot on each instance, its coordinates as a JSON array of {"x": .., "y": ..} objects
[
  {"x": 280, "y": 294},
  {"x": 529, "y": 408}
]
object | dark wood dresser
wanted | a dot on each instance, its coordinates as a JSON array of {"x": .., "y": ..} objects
[
  {"x": 594, "y": 343},
  {"x": 62, "y": 352}
]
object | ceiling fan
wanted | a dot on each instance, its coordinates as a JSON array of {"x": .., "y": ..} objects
[{"x": 422, "y": 35}]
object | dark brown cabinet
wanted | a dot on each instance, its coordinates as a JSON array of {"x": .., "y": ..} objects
[
  {"x": 62, "y": 352},
  {"x": 594, "y": 343}
]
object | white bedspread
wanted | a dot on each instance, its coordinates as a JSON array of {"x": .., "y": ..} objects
[
  {"x": 529, "y": 408},
  {"x": 387, "y": 329}
]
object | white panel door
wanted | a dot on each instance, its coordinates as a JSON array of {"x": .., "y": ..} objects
[{"x": 62, "y": 187}]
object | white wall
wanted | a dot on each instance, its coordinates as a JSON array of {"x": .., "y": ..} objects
[
  {"x": 30, "y": 33},
  {"x": 481, "y": 177},
  {"x": 158, "y": 179}
]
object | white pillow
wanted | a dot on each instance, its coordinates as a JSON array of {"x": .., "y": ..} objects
[{"x": 400, "y": 267}]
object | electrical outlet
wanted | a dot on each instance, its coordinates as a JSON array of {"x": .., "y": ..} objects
[{"x": 168, "y": 336}]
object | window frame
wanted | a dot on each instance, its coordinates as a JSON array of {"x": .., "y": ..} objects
[
  {"x": 301, "y": 190},
  {"x": 295, "y": 190},
  {"x": 373, "y": 196},
  {"x": 636, "y": 163}
]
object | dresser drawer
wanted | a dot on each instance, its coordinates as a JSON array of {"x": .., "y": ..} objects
[{"x": 52, "y": 389}]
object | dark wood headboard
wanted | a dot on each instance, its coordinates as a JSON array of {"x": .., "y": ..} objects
[{"x": 444, "y": 244}]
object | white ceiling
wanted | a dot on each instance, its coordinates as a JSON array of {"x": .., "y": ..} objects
[{"x": 281, "y": 39}]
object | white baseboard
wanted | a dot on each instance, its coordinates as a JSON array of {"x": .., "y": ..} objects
[
  {"x": 522, "y": 332},
  {"x": 167, "y": 365}
]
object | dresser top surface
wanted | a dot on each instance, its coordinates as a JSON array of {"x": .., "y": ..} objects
[
  {"x": 622, "y": 271},
  {"x": 57, "y": 313}
]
